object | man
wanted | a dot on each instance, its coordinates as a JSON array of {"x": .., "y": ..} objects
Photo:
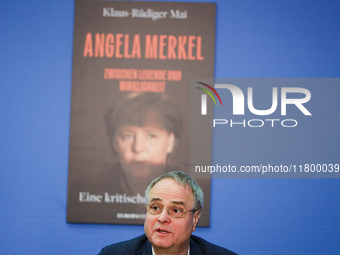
[{"x": 174, "y": 206}]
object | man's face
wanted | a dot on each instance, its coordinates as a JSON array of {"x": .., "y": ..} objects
[
  {"x": 163, "y": 231},
  {"x": 143, "y": 150}
]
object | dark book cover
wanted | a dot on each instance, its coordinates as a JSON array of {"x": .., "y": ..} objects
[{"x": 130, "y": 113}]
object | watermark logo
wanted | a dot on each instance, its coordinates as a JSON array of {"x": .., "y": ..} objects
[
  {"x": 239, "y": 100},
  {"x": 280, "y": 99},
  {"x": 204, "y": 97}
]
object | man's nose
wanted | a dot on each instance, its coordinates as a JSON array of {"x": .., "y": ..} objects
[
  {"x": 138, "y": 143},
  {"x": 164, "y": 217}
]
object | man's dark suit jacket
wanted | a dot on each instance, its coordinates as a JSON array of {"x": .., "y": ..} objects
[{"x": 142, "y": 246}]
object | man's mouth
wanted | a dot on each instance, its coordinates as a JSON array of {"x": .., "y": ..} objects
[{"x": 162, "y": 231}]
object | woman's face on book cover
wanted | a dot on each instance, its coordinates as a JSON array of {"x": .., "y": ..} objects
[{"x": 143, "y": 150}]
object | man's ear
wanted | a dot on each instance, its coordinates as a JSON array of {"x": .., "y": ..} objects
[
  {"x": 171, "y": 143},
  {"x": 196, "y": 218}
]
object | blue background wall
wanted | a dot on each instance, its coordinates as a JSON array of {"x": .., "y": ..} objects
[{"x": 250, "y": 216}]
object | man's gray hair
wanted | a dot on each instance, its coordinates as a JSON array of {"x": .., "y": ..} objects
[{"x": 184, "y": 180}]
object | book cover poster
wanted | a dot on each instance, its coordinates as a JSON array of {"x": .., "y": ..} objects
[{"x": 130, "y": 112}]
